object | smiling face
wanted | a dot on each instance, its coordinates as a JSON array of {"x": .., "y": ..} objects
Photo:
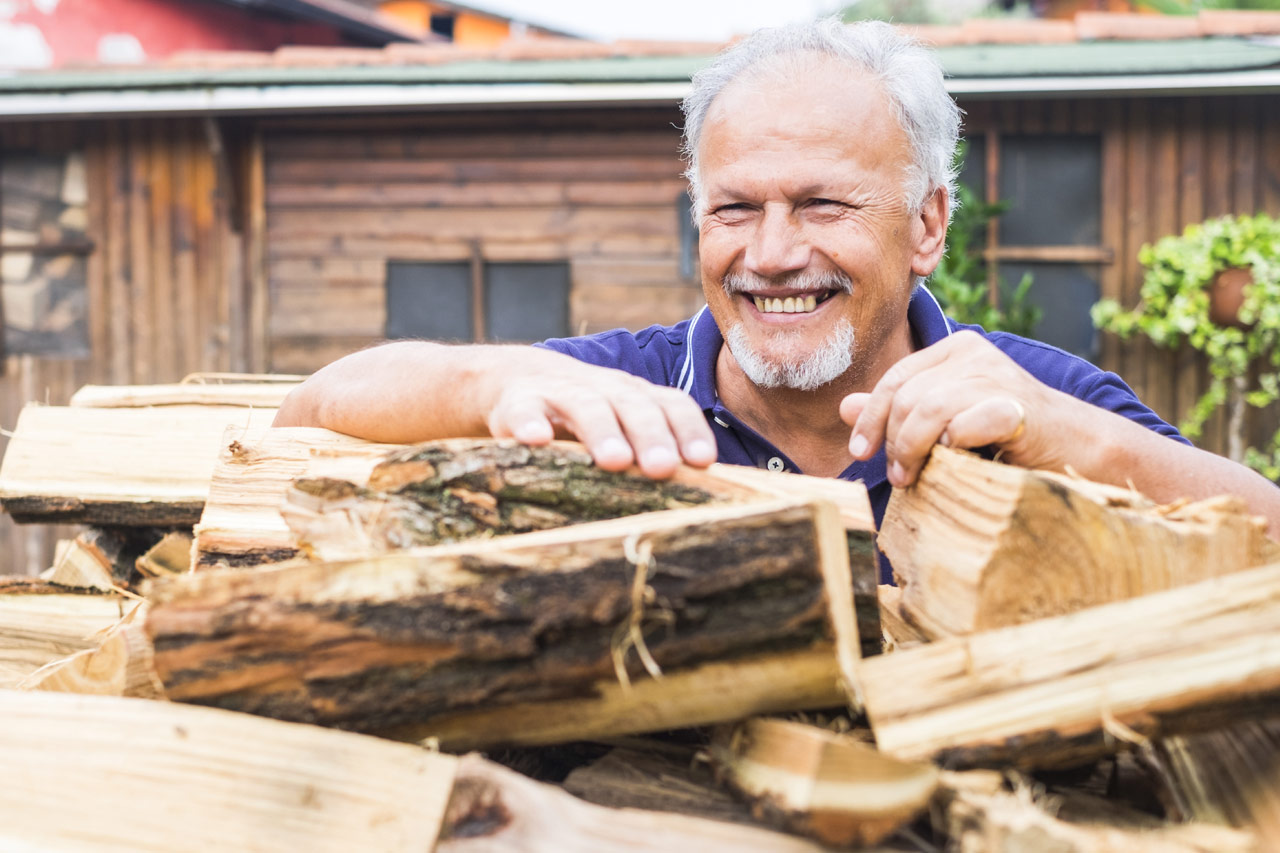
[{"x": 808, "y": 248}]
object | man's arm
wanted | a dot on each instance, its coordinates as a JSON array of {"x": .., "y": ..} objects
[
  {"x": 964, "y": 392},
  {"x": 416, "y": 391}
]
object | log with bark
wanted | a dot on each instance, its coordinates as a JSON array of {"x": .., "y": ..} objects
[
  {"x": 538, "y": 618},
  {"x": 140, "y": 467},
  {"x": 979, "y": 545},
  {"x": 1063, "y": 690}
]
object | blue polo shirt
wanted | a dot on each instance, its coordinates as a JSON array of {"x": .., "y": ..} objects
[{"x": 684, "y": 356}]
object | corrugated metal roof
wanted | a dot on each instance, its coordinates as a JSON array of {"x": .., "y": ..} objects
[{"x": 1098, "y": 58}]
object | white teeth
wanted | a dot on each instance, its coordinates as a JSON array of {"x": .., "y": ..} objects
[
  {"x": 810, "y": 302},
  {"x": 789, "y": 305}
]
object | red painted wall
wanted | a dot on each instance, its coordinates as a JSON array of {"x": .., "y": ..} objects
[{"x": 74, "y": 28}]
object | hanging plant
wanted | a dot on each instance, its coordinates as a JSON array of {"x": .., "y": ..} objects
[{"x": 1174, "y": 309}]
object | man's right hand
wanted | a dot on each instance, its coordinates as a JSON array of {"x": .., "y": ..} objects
[{"x": 417, "y": 391}]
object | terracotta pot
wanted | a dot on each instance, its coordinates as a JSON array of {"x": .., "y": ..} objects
[{"x": 1226, "y": 295}]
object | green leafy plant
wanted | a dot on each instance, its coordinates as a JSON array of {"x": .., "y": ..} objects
[
  {"x": 960, "y": 281},
  {"x": 1244, "y": 361},
  {"x": 1190, "y": 7}
]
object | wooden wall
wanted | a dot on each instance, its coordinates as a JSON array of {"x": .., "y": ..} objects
[
  {"x": 597, "y": 189},
  {"x": 165, "y": 286},
  {"x": 1166, "y": 163}
]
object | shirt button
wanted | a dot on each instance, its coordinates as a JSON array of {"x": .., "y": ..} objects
[{"x": 776, "y": 464}]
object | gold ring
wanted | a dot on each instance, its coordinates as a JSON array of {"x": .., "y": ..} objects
[{"x": 1022, "y": 422}]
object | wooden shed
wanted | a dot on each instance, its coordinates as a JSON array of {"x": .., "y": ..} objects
[{"x": 270, "y": 214}]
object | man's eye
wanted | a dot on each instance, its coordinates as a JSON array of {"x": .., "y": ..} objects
[{"x": 825, "y": 202}]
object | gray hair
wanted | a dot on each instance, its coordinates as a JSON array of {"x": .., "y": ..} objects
[{"x": 910, "y": 74}]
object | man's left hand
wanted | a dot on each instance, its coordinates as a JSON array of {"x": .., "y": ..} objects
[{"x": 960, "y": 392}]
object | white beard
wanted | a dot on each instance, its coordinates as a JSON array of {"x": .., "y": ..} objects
[{"x": 825, "y": 364}]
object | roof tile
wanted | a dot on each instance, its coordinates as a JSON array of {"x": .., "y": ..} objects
[
  {"x": 1239, "y": 23},
  {"x": 1112, "y": 25},
  {"x": 1018, "y": 31}
]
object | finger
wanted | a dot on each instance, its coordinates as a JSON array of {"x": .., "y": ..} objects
[
  {"x": 689, "y": 426},
  {"x": 922, "y": 411},
  {"x": 850, "y": 410},
  {"x": 586, "y": 415},
  {"x": 649, "y": 433},
  {"x": 995, "y": 420},
  {"x": 873, "y": 422},
  {"x": 525, "y": 419}
]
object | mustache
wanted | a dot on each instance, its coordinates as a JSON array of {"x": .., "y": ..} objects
[{"x": 809, "y": 280}]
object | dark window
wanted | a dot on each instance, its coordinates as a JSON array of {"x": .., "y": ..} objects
[
  {"x": 1052, "y": 227},
  {"x": 442, "y": 25},
  {"x": 43, "y": 252},
  {"x": 517, "y": 302},
  {"x": 429, "y": 301},
  {"x": 1054, "y": 188},
  {"x": 526, "y": 302},
  {"x": 688, "y": 232}
]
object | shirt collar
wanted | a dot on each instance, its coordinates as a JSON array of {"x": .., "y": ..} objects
[{"x": 697, "y": 375}]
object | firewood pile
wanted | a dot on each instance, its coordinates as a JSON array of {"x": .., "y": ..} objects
[{"x": 289, "y": 639}]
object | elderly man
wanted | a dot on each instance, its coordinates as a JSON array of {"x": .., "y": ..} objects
[{"x": 820, "y": 163}]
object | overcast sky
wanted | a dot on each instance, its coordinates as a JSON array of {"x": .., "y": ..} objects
[{"x": 663, "y": 19}]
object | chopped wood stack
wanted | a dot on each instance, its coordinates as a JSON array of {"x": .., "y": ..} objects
[{"x": 581, "y": 626}]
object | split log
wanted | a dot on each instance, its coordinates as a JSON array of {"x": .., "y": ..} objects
[
  {"x": 821, "y": 784},
  {"x": 77, "y": 564},
  {"x": 41, "y": 623},
  {"x": 115, "y": 466},
  {"x": 536, "y": 618},
  {"x": 978, "y": 822},
  {"x": 170, "y": 556},
  {"x": 267, "y": 393},
  {"x": 121, "y": 665},
  {"x": 660, "y": 776},
  {"x": 1060, "y": 691},
  {"x": 1230, "y": 776},
  {"x": 496, "y": 809},
  {"x": 104, "y": 773},
  {"x": 899, "y": 632},
  {"x": 979, "y": 545},
  {"x": 241, "y": 524}
]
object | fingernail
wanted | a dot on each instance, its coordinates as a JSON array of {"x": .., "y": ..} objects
[
  {"x": 699, "y": 450},
  {"x": 530, "y": 431},
  {"x": 944, "y": 439},
  {"x": 658, "y": 457},
  {"x": 858, "y": 445},
  {"x": 613, "y": 448},
  {"x": 896, "y": 473}
]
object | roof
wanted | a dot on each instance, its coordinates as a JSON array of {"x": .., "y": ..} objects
[
  {"x": 352, "y": 19},
  {"x": 1093, "y": 54}
]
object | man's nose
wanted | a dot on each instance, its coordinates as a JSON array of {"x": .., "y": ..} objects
[{"x": 778, "y": 245}]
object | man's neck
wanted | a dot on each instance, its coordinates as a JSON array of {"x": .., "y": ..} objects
[{"x": 805, "y": 425}]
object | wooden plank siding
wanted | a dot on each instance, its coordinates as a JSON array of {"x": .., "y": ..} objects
[
  {"x": 1166, "y": 163},
  {"x": 596, "y": 189},
  {"x": 156, "y": 280}
]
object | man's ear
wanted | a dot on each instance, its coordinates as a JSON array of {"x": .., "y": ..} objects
[{"x": 931, "y": 226}]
